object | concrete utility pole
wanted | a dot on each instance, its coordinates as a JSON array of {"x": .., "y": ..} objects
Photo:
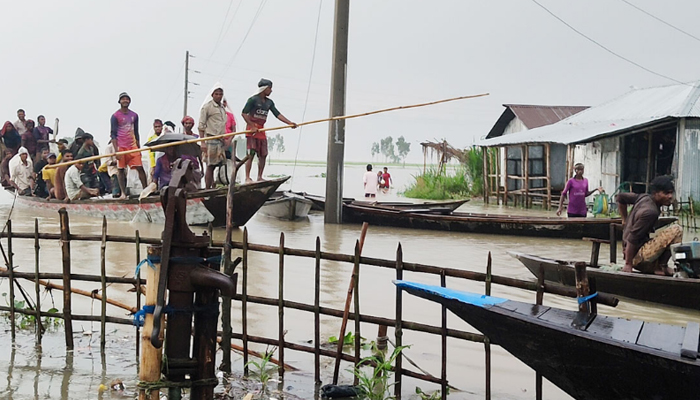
[
  {"x": 336, "y": 129},
  {"x": 187, "y": 68}
]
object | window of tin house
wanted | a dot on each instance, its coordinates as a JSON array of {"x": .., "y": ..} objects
[
  {"x": 514, "y": 166},
  {"x": 536, "y": 165}
]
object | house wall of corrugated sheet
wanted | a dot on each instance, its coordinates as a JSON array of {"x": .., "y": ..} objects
[
  {"x": 688, "y": 183},
  {"x": 602, "y": 161},
  {"x": 515, "y": 125}
]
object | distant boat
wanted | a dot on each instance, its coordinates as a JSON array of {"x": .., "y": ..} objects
[
  {"x": 679, "y": 292},
  {"x": 287, "y": 205},
  {"x": 437, "y": 206},
  {"x": 556, "y": 227},
  {"x": 611, "y": 359},
  {"x": 203, "y": 206}
]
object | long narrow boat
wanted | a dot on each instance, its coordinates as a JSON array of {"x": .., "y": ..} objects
[
  {"x": 287, "y": 205},
  {"x": 485, "y": 223},
  {"x": 436, "y": 206},
  {"x": 679, "y": 292},
  {"x": 612, "y": 358},
  {"x": 203, "y": 206}
]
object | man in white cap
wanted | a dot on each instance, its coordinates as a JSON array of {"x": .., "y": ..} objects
[
  {"x": 22, "y": 174},
  {"x": 212, "y": 122},
  {"x": 125, "y": 133},
  {"x": 255, "y": 115}
]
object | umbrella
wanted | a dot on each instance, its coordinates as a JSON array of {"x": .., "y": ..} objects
[{"x": 185, "y": 149}]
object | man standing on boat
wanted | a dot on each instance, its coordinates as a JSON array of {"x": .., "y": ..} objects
[
  {"x": 650, "y": 256},
  {"x": 125, "y": 132},
  {"x": 212, "y": 122},
  {"x": 255, "y": 115}
]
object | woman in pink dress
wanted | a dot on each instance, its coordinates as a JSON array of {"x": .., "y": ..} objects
[{"x": 577, "y": 190}]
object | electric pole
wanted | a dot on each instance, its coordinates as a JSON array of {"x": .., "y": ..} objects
[
  {"x": 333, "y": 213},
  {"x": 187, "y": 68}
]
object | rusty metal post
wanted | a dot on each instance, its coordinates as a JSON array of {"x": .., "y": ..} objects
[
  {"x": 613, "y": 243},
  {"x": 137, "y": 240},
  {"x": 317, "y": 313},
  {"x": 65, "y": 256},
  {"x": 244, "y": 302},
  {"x": 538, "y": 300},
  {"x": 443, "y": 337},
  {"x": 487, "y": 342},
  {"x": 280, "y": 307},
  {"x": 37, "y": 285},
  {"x": 398, "y": 329},
  {"x": 356, "y": 303},
  {"x": 11, "y": 269},
  {"x": 151, "y": 356},
  {"x": 103, "y": 281}
]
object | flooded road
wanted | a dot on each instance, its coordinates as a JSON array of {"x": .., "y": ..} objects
[{"x": 54, "y": 373}]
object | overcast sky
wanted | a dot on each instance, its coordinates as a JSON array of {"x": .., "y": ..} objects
[{"x": 71, "y": 59}]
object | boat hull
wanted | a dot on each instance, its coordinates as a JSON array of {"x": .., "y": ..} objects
[
  {"x": 614, "y": 358},
  {"x": 287, "y": 206},
  {"x": 679, "y": 292}
]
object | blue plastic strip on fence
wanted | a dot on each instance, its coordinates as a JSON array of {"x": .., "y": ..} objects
[
  {"x": 584, "y": 299},
  {"x": 151, "y": 260}
]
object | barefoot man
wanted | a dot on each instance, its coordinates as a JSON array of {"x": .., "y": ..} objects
[
  {"x": 650, "y": 256},
  {"x": 255, "y": 114},
  {"x": 125, "y": 133},
  {"x": 212, "y": 122}
]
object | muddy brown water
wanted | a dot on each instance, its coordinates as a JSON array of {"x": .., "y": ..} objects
[{"x": 51, "y": 372}]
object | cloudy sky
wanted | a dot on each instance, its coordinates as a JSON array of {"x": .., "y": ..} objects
[{"x": 71, "y": 59}]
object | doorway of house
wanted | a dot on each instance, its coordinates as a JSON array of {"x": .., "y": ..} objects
[{"x": 647, "y": 155}]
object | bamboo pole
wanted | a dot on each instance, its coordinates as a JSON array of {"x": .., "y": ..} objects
[
  {"x": 280, "y": 305},
  {"x": 487, "y": 343},
  {"x": 227, "y": 135},
  {"x": 398, "y": 327},
  {"x": 103, "y": 275},
  {"x": 348, "y": 298},
  {"x": 244, "y": 302},
  {"x": 11, "y": 268},
  {"x": 356, "y": 303},
  {"x": 317, "y": 313},
  {"x": 150, "y": 365},
  {"x": 443, "y": 340},
  {"x": 484, "y": 155},
  {"x": 547, "y": 148},
  {"x": 137, "y": 240},
  {"x": 65, "y": 256},
  {"x": 37, "y": 286},
  {"x": 538, "y": 300}
]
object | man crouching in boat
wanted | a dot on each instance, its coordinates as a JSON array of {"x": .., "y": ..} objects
[
  {"x": 75, "y": 187},
  {"x": 649, "y": 256}
]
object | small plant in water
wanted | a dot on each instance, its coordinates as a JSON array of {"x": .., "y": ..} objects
[
  {"x": 375, "y": 385},
  {"x": 25, "y": 321},
  {"x": 264, "y": 369},
  {"x": 436, "y": 395}
]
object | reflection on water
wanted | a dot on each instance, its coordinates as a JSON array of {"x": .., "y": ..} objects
[{"x": 51, "y": 372}]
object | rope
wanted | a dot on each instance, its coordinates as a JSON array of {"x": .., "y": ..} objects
[{"x": 210, "y": 309}]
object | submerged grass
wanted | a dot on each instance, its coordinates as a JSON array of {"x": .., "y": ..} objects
[{"x": 434, "y": 185}]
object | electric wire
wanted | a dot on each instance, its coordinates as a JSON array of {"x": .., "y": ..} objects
[
  {"x": 662, "y": 21},
  {"x": 308, "y": 91},
  {"x": 250, "y": 28},
  {"x": 606, "y": 48}
]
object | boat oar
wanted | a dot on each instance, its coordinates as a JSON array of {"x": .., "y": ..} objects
[
  {"x": 227, "y": 135},
  {"x": 346, "y": 310}
]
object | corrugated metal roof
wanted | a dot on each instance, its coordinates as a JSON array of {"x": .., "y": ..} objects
[
  {"x": 532, "y": 116},
  {"x": 634, "y": 109}
]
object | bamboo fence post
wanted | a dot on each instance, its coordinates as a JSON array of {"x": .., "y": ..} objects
[
  {"x": 244, "y": 302},
  {"x": 65, "y": 256},
  {"x": 539, "y": 299},
  {"x": 151, "y": 357},
  {"x": 137, "y": 241},
  {"x": 37, "y": 290},
  {"x": 103, "y": 276},
  {"x": 317, "y": 313},
  {"x": 356, "y": 302},
  {"x": 484, "y": 154},
  {"x": 443, "y": 337},
  {"x": 11, "y": 269},
  {"x": 547, "y": 148},
  {"x": 526, "y": 175},
  {"x": 398, "y": 329},
  {"x": 280, "y": 305},
  {"x": 487, "y": 342}
]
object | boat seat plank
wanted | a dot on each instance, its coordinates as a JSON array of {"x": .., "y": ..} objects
[
  {"x": 594, "y": 240},
  {"x": 662, "y": 337},
  {"x": 689, "y": 348},
  {"x": 527, "y": 309},
  {"x": 558, "y": 316},
  {"x": 621, "y": 329}
]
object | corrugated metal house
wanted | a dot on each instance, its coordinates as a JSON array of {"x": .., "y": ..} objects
[
  {"x": 628, "y": 140},
  {"x": 522, "y": 117}
]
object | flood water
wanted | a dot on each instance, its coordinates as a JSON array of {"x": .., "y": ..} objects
[{"x": 51, "y": 372}]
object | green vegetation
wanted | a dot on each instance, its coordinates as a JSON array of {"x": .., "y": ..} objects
[
  {"x": 25, "y": 321},
  {"x": 375, "y": 385},
  {"x": 349, "y": 340},
  {"x": 438, "y": 184},
  {"x": 264, "y": 369},
  {"x": 432, "y": 396},
  {"x": 386, "y": 148}
]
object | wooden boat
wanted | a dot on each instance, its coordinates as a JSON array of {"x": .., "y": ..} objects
[
  {"x": 611, "y": 358},
  {"x": 484, "y": 223},
  {"x": 203, "y": 206},
  {"x": 287, "y": 205},
  {"x": 679, "y": 292},
  {"x": 438, "y": 206}
]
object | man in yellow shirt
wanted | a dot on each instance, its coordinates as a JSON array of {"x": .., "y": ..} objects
[
  {"x": 49, "y": 175},
  {"x": 157, "y": 129}
]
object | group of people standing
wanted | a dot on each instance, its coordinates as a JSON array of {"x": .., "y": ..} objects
[
  {"x": 25, "y": 149},
  {"x": 372, "y": 182}
]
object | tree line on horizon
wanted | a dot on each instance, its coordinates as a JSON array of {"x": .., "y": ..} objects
[{"x": 394, "y": 152}]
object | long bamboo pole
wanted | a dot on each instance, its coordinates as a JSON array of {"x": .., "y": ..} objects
[{"x": 227, "y": 135}]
